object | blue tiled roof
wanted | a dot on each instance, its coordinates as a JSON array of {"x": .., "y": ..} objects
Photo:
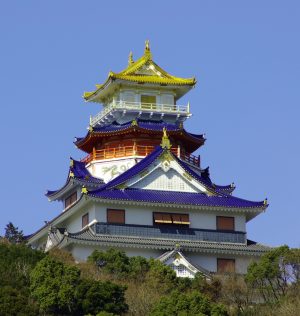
[
  {"x": 171, "y": 197},
  {"x": 80, "y": 173},
  {"x": 224, "y": 188},
  {"x": 151, "y": 125},
  {"x": 144, "y": 124}
]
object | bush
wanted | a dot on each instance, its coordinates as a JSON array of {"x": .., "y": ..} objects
[
  {"x": 16, "y": 302},
  {"x": 187, "y": 304}
]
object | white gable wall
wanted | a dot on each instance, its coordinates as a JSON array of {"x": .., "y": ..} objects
[{"x": 166, "y": 181}]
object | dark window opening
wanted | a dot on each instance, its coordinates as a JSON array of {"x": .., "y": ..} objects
[
  {"x": 225, "y": 265},
  {"x": 85, "y": 220},
  {"x": 116, "y": 216},
  {"x": 225, "y": 223},
  {"x": 171, "y": 219},
  {"x": 71, "y": 199}
]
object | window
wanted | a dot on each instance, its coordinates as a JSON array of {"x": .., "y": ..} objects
[
  {"x": 171, "y": 218},
  {"x": 225, "y": 265},
  {"x": 148, "y": 102},
  {"x": 70, "y": 199},
  {"x": 116, "y": 216},
  {"x": 225, "y": 223},
  {"x": 85, "y": 220}
]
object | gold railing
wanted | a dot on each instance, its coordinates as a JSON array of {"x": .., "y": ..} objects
[{"x": 136, "y": 150}]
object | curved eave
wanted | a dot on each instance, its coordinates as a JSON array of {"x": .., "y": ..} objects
[
  {"x": 250, "y": 211},
  {"x": 156, "y": 80},
  {"x": 71, "y": 181},
  {"x": 95, "y": 96},
  {"x": 88, "y": 237},
  {"x": 87, "y": 143}
]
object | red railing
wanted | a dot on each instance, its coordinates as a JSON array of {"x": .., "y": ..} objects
[{"x": 136, "y": 150}]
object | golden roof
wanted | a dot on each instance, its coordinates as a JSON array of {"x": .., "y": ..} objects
[{"x": 143, "y": 70}]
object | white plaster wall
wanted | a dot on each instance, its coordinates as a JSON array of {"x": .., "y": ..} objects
[
  {"x": 209, "y": 262},
  {"x": 107, "y": 170},
  {"x": 144, "y": 216},
  {"x": 74, "y": 223}
]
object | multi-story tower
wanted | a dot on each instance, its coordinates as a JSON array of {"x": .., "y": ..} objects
[{"x": 141, "y": 189}]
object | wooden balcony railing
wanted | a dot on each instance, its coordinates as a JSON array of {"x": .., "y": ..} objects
[
  {"x": 140, "y": 107},
  {"x": 136, "y": 150}
]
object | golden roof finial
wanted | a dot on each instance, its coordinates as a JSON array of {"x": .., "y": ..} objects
[
  {"x": 147, "y": 50},
  {"x": 266, "y": 201},
  {"x": 130, "y": 59},
  {"x": 165, "y": 142}
]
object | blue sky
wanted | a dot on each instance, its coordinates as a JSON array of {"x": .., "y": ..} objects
[{"x": 245, "y": 55}]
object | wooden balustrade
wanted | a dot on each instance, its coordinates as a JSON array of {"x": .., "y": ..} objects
[{"x": 136, "y": 150}]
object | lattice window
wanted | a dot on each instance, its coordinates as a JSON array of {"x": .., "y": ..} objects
[{"x": 181, "y": 271}]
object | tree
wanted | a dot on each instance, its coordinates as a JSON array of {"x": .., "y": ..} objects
[
  {"x": 119, "y": 265},
  {"x": 274, "y": 273},
  {"x": 95, "y": 296},
  {"x": 112, "y": 261},
  {"x": 58, "y": 289},
  {"x": 13, "y": 234},
  {"x": 53, "y": 285}
]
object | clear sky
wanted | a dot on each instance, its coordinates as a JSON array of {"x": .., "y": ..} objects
[{"x": 245, "y": 55}]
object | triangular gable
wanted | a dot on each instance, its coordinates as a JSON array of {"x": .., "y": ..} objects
[
  {"x": 181, "y": 265},
  {"x": 160, "y": 162}
]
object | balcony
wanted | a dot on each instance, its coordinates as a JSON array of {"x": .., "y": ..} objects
[
  {"x": 169, "y": 232},
  {"x": 109, "y": 111},
  {"x": 137, "y": 151}
]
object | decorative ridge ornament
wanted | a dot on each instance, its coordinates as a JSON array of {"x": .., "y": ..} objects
[
  {"x": 265, "y": 201},
  {"x": 147, "y": 51},
  {"x": 134, "y": 123},
  {"x": 130, "y": 59},
  {"x": 84, "y": 190},
  {"x": 165, "y": 142},
  {"x": 71, "y": 162}
]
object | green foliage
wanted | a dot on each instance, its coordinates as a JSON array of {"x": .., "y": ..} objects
[
  {"x": 53, "y": 285},
  {"x": 271, "y": 274},
  {"x": 13, "y": 234},
  {"x": 113, "y": 261},
  {"x": 95, "y": 296},
  {"x": 211, "y": 289},
  {"x": 16, "y": 302},
  {"x": 16, "y": 262},
  {"x": 58, "y": 289},
  {"x": 119, "y": 265},
  {"x": 161, "y": 277},
  {"x": 187, "y": 304}
]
